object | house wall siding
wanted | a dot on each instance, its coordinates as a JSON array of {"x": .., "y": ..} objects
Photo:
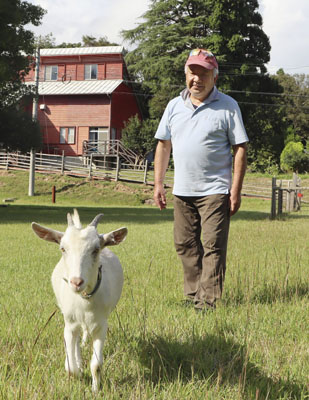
[
  {"x": 124, "y": 106},
  {"x": 80, "y": 112},
  {"x": 114, "y": 71}
]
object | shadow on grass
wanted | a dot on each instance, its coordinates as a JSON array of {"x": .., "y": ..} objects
[
  {"x": 215, "y": 359},
  {"x": 143, "y": 215},
  {"x": 57, "y": 215},
  {"x": 63, "y": 188},
  {"x": 54, "y": 214}
]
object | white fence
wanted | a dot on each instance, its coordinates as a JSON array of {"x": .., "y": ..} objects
[
  {"x": 105, "y": 168},
  {"x": 111, "y": 168}
]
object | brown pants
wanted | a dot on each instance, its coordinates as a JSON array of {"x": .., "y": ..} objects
[{"x": 201, "y": 226}]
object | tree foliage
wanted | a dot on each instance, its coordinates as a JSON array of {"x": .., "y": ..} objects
[
  {"x": 48, "y": 42},
  {"x": 294, "y": 158},
  {"x": 138, "y": 135},
  {"x": 295, "y": 102},
  {"x": 16, "y": 50},
  {"x": 232, "y": 29},
  {"x": 18, "y": 131}
]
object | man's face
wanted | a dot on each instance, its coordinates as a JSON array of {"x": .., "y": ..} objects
[{"x": 200, "y": 81}]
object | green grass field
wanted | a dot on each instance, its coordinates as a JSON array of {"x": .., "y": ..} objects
[{"x": 254, "y": 346}]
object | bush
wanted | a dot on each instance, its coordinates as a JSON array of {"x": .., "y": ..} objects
[
  {"x": 139, "y": 135},
  {"x": 294, "y": 158}
]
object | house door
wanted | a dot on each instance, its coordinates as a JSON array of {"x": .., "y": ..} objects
[{"x": 97, "y": 139}]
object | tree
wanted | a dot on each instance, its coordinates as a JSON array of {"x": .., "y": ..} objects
[
  {"x": 294, "y": 158},
  {"x": 18, "y": 131},
  {"x": 45, "y": 42},
  {"x": 232, "y": 29},
  {"x": 16, "y": 50},
  {"x": 89, "y": 41},
  {"x": 138, "y": 135},
  {"x": 295, "y": 103}
]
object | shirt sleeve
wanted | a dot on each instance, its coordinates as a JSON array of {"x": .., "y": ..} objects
[
  {"x": 163, "y": 131},
  {"x": 236, "y": 130}
]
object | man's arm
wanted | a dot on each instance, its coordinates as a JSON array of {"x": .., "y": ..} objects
[
  {"x": 240, "y": 165},
  {"x": 162, "y": 157}
]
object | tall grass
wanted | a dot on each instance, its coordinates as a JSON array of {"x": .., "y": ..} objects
[{"x": 254, "y": 346}]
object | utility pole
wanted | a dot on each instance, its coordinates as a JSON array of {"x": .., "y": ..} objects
[{"x": 34, "y": 118}]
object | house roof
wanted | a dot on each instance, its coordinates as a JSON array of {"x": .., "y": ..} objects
[
  {"x": 81, "y": 51},
  {"x": 78, "y": 87}
]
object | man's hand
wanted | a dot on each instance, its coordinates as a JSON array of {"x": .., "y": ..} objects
[
  {"x": 162, "y": 157},
  {"x": 235, "y": 201},
  {"x": 240, "y": 163},
  {"x": 160, "y": 196}
]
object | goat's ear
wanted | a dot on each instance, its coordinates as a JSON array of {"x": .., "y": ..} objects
[
  {"x": 113, "y": 238},
  {"x": 46, "y": 233}
]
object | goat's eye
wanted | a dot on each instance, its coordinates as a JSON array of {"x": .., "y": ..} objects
[{"x": 62, "y": 249}]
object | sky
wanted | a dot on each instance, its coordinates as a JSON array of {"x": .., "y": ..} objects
[{"x": 285, "y": 22}]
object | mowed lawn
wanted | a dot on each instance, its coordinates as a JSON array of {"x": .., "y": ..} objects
[{"x": 254, "y": 346}]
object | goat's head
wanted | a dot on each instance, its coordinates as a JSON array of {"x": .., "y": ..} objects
[{"x": 81, "y": 248}]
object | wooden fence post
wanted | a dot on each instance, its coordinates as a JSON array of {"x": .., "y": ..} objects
[
  {"x": 7, "y": 161},
  {"x": 273, "y": 198},
  {"x": 296, "y": 205},
  {"x": 62, "y": 163},
  {"x": 280, "y": 198},
  {"x": 118, "y": 167},
  {"x": 90, "y": 166},
  {"x": 145, "y": 172}
]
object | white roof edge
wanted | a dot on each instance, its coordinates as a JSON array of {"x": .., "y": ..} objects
[
  {"x": 78, "y": 87},
  {"x": 64, "y": 51}
]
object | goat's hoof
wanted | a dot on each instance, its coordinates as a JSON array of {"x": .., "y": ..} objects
[
  {"x": 95, "y": 388},
  {"x": 77, "y": 373}
]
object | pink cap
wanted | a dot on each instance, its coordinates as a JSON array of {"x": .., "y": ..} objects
[{"x": 202, "y": 57}]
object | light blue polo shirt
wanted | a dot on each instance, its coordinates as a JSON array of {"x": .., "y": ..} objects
[{"x": 201, "y": 141}]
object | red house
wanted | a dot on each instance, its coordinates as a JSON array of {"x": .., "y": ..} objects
[{"x": 84, "y": 96}]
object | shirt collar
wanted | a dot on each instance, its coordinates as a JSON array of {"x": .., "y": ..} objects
[{"x": 185, "y": 94}]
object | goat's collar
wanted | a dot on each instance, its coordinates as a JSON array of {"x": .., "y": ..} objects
[{"x": 86, "y": 295}]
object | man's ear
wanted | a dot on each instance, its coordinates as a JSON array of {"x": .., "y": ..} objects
[
  {"x": 113, "y": 238},
  {"x": 46, "y": 233}
]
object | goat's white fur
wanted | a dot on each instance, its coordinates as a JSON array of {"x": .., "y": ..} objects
[{"x": 77, "y": 272}]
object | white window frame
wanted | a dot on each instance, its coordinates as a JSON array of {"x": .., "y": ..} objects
[
  {"x": 67, "y": 135},
  {"x": 51, "y": 72},
  {"x": 91, "y": 72},
  {"x": 71, "y": 135},
  {"x": 62, "y": 135}
]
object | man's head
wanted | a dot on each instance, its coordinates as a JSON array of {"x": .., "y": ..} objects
[{"x": 201, "y": 73}]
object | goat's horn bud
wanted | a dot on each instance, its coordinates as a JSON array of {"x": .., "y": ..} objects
[{"x": 96, "y": 220}]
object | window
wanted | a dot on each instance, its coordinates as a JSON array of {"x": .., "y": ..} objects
[
  {"x": 97, "y": 139},
  {"x": 67, "y": 135},
  {"x": 98, "y": 134},
  {"x": 51, "y": 72},
  {"x": 71, "y": 135},
  {"x": 91, "y": 71},
  {"x": 62, "y": 135}
]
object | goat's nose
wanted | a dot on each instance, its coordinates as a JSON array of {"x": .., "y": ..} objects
[{"x": 77, "y": 282}]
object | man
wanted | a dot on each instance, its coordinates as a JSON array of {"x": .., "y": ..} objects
[{"x": 201, "y": 125}]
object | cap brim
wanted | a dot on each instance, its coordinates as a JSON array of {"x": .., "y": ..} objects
[
  {"x": 196, "y": 60},
  {"x": 201, "y": 63}
]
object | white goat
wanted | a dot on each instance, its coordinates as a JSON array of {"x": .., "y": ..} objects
[{"x": 87, "y": 283}]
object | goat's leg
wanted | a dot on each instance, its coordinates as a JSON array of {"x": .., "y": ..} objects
[
  {"x": 97, "y": 357},
  {"x": 78, "y": 354},
  {"x": 85, "y": 336},
  {"x": 70, "y": 339}
]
